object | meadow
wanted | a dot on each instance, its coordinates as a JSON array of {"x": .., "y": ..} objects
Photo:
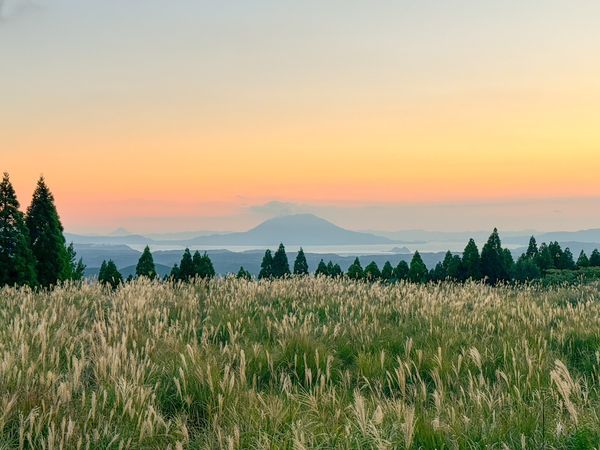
[{"x": 300, "y": 363}]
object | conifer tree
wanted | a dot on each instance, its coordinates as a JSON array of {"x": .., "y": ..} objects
[
  {"x": 532, "y": 249},
  {"x": 186, "y": 266},
  {"x": 566, "y": 260},
  {"x": 17, "y": 263},
  {"x": 266, "y": 267},
  {"x": 175, "y": 274},
  {"x": 46, "y": 237},
  {"x": 544, "y": 258},
  {"x": 300, "y": 264},
  {"x": 418, "y": 272},
  {"x": 595, "y": 258},
  {"x": 336, "y": 271},
  {"x": 526, "y": 269},
  {"x": 281, "y": 266},
  {"x": 109, "y": 274},
  {"x": 76, "y": 268},
  {"x": 387, "y": 273},
  {"x": 197, "y": 263},
  {"x": 494, "y": 261},
  {"x": 372, "y": 272},
  {"x": 583, "y": 261},
  {"x": 145, "y": 266},
  {"x": 322, "y": 269},
  {"x": 401, "y": 271},
  {"x": 471, "y": 261},
  {"x": 244, "y": 274},
  {"x": 355, "y": 271},
  {"x": 438, "y": 273}
]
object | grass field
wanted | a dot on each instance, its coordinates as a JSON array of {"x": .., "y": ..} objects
[{"x": 299, "y": 364}]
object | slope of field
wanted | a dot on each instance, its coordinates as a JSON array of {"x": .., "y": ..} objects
[{"x": 301, "y": 363}]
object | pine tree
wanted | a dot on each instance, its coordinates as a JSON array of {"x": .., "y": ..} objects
[
  {"x": 76, "y": 267},
  {"x": 401, "y": 271},
  {"x": 438, "y": 273},
  {"x": 355, "y": 271},
  {"x": 109, "y": 274},
  {"x": 583, "y": 260},
  {"x": 595, "y": 258},
  {"x": 322, "y": 269},
  {"x": 526, "y": 269},
  {"x": 266, "y": 267},
  {"x": 175, "y": 274},
  {"x": 17, "y": 263},
  {"x": 418, "y": 272},
  {"x": 244, "y": 274},
  {"x": 336, "y": 271},
  {"x": 300, "y": 264},
  {"x": 197, "y": 263},
  {"x": 145, "y": 266},
  {"x": 566, "y": 260},
  {"x": 544, "y": 258},
  {"x": 46, "y": 237},
  {"x": 494, "y": 260},
  {"x": 186, "y": 266},
  {"x": 532, "y": 249},
  {"x": 372, "y": 272},
  {"x": 471, "y": 262},
  {"x": 387, "y": 273},
  {"x": 281, "y": 266},
  {"x": 452, "y": 268},
  {"x": 557, "y": 254}
]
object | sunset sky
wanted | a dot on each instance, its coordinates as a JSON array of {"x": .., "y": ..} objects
[{"x": 182, "y": 115}]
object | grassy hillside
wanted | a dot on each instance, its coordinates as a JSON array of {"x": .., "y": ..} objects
[{"x": 297, "y": 364}]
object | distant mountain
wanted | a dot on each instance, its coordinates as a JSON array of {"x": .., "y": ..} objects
[
  {"x": 299, "y": 229},
  {"x": 592, "y": 235},
  {"x": 129, "y": 239}
]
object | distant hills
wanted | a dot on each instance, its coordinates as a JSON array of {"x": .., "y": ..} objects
[{"x": 299, "y": 229}]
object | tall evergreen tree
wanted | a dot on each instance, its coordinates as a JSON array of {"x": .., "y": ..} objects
[
  {"x": 566, "y": 260},
  {"x": 145, "y": 266},
  {"x": 207, "y": 268},
  {"x": 17, "y": 263},
  {"x": 401, "y": 271},
  {"x": 544, "y": 258},
  {"x": 595, "y": 258},
  {"x": 46, "y": 237},
  {"x": 109, "y": 274},
  {"x": 418, "y": 272},
  {"x": 532, "y": 249},
  {"x": 76, "y": 267},
  {"x": 186, "y": 266},
  {"x": 336, "y": 271},
  {"x": 281, "y": 266},
  {"x": 175, "y": 274},
  {"x": 557, "y": 254},
  {"x": 322, "y": 269},
  {"x": 387, "y": 273},
  {"x": 583, "y": 260},
  {"x": 300, "y": 264},
  {"x": 266, "y": 267},
  {"x": 494, "y": 260},
  {"x": 471, "y": 261},
  {"x": 526, "y": 269},
  {"x": 355, "y": 271},
  {"x": 372, "y": 272}
]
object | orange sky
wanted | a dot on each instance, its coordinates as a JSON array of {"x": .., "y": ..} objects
[{"x": 130, "y": 125}]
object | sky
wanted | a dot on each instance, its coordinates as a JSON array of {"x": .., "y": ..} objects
[{"x": 182, "y": 115}]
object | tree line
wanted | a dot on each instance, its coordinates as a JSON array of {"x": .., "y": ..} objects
[{"x": 33, "y": 251}]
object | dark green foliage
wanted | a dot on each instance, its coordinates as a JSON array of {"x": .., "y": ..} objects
[
  {"x": 76, "y": 267},
  {"x": 372, "y": 272},
  {"x": 495, "y": 262},
  {"x": 471, "y": 261},
  {"x": 335, "y": 271},
  {"x": 526, "y": 269},
  {"x": 175, "y": 274},
  {"x": 566, "y": 260},
  {"x": 401, "y": 271},
  {"x": 145, "y": 266},
  {"x": 556, "y": 253},
  {"x": 544, "y": 258},
  {"x": 186, "y": 266},
  {"x": 203, "y": 266},
  {"x": 583, "y": 260},
  {"x": 266, "y": 267},
  {"x": 109, "y": 274},
  {"x": 595, "y": 258},
  {"x": 322, "y": 269},
  {"x": 438, "y": 273},
  {"x": 46, "y": 237},
  {"x": 387, "y": 273},
  {"x": 17, "y": 264},
  {"x": 243, "y": 273},
  {"x": 532, "y": 249},
  {"x": 300, "y": 264},
  {"x": 281, "y": 266},
  {"x": 418, "y": 272},
  {"x": 452, "y": 267},
  {"x": 355, "y": 271}
]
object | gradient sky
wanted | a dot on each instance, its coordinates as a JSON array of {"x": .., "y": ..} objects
[{"x": 177, "y": 115}]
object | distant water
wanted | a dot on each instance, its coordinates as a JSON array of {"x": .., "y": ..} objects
[{"x": 375, "y": 249}]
